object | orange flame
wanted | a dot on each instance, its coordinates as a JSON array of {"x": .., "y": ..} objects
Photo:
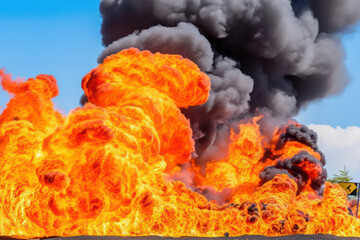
[{"x": 104, "y": 168}]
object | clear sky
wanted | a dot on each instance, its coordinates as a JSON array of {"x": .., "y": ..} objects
[
  {"x": 57, "y": 37},
  {"x": 62, "y": 38}
]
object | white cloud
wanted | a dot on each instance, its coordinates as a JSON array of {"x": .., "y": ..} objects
[{"x": 341, "y": 146}]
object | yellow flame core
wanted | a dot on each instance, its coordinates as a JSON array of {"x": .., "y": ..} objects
[{"x": 102, "y": 170}]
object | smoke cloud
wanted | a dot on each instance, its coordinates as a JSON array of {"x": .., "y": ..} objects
[
  {"x": 277, "y": 56},
  {"x": 302, "y": 167},
  {"x": 334, "y": 16}
]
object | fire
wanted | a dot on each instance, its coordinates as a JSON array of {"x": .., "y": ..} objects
[{"x": 106, "y": 168}]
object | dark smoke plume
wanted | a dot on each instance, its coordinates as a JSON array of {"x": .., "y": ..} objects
[
  {"x": 274, "y": 55},
  {"x": 296, "y": 166},
  {"x": 332, "y": 15},
  {"x": 300, "y": 134}
]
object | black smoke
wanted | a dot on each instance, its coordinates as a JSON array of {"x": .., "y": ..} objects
[
  {"x": 302, "y": 167},
  {"x": 294, "y": 167},
  {"x": 274, "y": 55},
  {"x": 302, "y": 134}
]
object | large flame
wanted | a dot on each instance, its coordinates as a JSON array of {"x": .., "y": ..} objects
[{"x": 105, "y": 169}]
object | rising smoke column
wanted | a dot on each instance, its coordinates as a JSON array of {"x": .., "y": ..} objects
[
  {"x": 272, "y": 56},
  {"x": 279, "y": 55}
]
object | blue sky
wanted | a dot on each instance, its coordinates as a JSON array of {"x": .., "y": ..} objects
[
  {"x": 55, "y": 37},
  {"x": 62, "y": 38}
]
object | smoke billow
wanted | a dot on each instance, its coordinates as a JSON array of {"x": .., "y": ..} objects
[
  {"x": 277, "y": 56},
  {"x": 302, "y": 167},
  {"x": 294, "y": 167}
]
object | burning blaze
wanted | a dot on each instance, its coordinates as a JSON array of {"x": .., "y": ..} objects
[{"x": 108, "y": 167}]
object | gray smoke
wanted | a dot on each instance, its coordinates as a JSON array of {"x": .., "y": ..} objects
[
  {"x": 175, "y": 41},
  {"x": 277, "y": 55}
]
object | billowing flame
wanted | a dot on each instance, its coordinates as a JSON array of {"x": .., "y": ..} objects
[{"x": 106, "y": 168}]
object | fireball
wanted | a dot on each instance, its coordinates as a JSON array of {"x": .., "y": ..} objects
[{"x": 109, "y": 167}]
